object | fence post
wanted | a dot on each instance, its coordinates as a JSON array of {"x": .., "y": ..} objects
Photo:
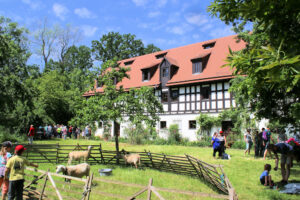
[
  {"x": 44, "y": 186},
  {"x": 57, "y": 154},
  {"x": 102, "y": 158},
  {"x": 150, "y": 157}
]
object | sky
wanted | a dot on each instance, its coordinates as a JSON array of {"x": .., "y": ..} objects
[{"x": 165, "y": 23}]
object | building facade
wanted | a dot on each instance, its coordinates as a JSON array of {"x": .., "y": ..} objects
[{"x": 188, "y": 80}]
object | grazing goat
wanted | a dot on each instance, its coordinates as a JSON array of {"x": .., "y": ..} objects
[
  {"x": 78, "y": 155},
  {"x": 78, "y": 171},
  {"x": 132, "y": 159}
]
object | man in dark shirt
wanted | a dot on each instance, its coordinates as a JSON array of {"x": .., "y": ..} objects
[
  {"x": 259, "y": 148},
  {"x": 286, "y": 152}
]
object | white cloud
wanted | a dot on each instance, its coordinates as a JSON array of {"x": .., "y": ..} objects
[
  {"x": 60, "y": 11},
  {"x": 177, "y": 30},
  {"x": 221, "y": 32},
  {"x": 88, "y": 30},
  {"x": 84, "y": 13},
  {"x": 180, "y": 29},
  {"x": 197, "y": 19},
  {"x": 140, "y": 2},
  {"x": 33, "y": 4},
  {"x": 161, "y": 3},
  {"x": 154, "y": 14}
]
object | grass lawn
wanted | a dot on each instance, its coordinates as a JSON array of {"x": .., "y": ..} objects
[{"x": 242, "y": 171}]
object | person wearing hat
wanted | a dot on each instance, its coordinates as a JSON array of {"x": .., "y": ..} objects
[
  {"x": 15, "y": 166},
  {"x": 4, "y": 156}
]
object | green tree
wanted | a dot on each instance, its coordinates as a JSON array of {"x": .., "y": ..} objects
[
  {"x": 119, "y": 47},
  {"x": 15, "y": 96},
  {"x": 270, "y": 63},
  {"x": 206, "y": 122},
  {"x": 114, "y": 103}
]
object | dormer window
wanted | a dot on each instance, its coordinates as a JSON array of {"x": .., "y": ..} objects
[
  {"x": 165, "y": 72},
  {"x": 197, "y": 66},
  {"x": 128, "y": 62},
  {"x": 162, "y": 55},
  {"x": 209, "y": 45},
  {"x": 146, "y": 74},
  {"x": 99, "y": 84}
]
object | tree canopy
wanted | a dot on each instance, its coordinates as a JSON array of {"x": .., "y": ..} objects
[
  {"x": 269, "y": 65},
  {"x": 120, "y": 46}
]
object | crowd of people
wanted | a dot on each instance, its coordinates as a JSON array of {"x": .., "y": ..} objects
[
  {"x": 59, "y": 131},
  {"x": 264, "y": 144}
]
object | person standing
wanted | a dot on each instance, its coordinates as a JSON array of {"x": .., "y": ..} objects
[
  {"x": 4, "y": 156},
  {"x": 15, "y": 166},
  {"x": 216, "y": 145},
  {"x": 223, "y": 142},
  {"x": 267, "y": 137},
  {"x": 31, "y": 134},
  {"x": 70, "y": 131},
  {"x": 89, "y": 133},
  {"x": 281, "y": 137},
  {"x": 248, "y": 140},
  {"x": 286, "y": 152},
  {"x": 64, "y": 132}
]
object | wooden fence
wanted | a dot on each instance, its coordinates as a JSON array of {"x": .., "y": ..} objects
[
  {"x": 35, "y": 191},
  {"x": 185, "y": 165}
]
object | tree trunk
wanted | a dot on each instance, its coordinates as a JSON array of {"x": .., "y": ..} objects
[{"x": 116, "y": 134}]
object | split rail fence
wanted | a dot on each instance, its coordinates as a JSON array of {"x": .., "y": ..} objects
[{"x": 185, "y": 165}]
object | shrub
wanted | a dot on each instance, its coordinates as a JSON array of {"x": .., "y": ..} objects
[
  {"x": 174, "y": 135},
  {"x": 238, "y": 145},
  {"x": 5, "y": 135},
  {"x": 136, "y": 134}
]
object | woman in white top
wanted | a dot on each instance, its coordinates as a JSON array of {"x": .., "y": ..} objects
[{"x": 248, "y": 140}]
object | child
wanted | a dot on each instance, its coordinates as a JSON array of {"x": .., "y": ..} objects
[
  {"x": 265, "y": 177},
  {"x": 15, "y": 166},
  {"x": 4, "y": 156}
]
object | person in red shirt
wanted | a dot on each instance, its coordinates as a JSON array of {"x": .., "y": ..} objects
[{"x": 31, "y": 134}]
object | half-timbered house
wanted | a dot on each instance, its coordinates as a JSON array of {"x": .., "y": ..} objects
[{"x": 188, "y": 80}]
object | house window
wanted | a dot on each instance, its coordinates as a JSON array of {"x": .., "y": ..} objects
[
  {"x": 164, "y": 97},
  {"x": 128, "y": 62},
  {"x": 115, "y": 80},
  {"x": 99, "y": 84},
  {"x": 159, "y": 56},
  {"x": 146, "y": 75},
  {"x": 192, "y": 124},
  {"x": 165, "y": 72},
  {"x": 205, "y": 92},
  {"x": 209, "y": 45},
  {"x": 197, "y": 67},
  {"x": 163, "y": 124},
  {"x": 175, "y": 94}
]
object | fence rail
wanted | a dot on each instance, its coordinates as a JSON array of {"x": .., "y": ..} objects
[{"x": 185, "y": 165}]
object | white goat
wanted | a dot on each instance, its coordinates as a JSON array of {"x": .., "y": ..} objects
[
  {"x": 78, "y": 155},
  {"x": 78, "y": 171},
  {"x": 132, "y": 159}
]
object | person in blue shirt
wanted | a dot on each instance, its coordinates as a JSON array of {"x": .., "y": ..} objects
[
  {"x": 216, "y": 142},
  {"x": 265, "y": 177}
]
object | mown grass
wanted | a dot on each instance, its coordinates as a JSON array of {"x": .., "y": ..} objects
[{"x": 242, "y": 171}]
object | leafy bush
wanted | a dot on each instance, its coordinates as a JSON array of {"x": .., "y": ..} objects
[
  {"x": 238, "y": 145},
  {"x": 5, "y": 135},
  {"x": 174, "y": 135},
  {"x": 206, "y": 122},
  {"x": 137, "y": 134}
]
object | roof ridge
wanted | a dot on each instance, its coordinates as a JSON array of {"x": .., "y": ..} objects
[{"x": 167, "y": 50}]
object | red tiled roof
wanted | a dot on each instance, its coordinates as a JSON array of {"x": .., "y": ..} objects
[{"x": 182, "y": 58}]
